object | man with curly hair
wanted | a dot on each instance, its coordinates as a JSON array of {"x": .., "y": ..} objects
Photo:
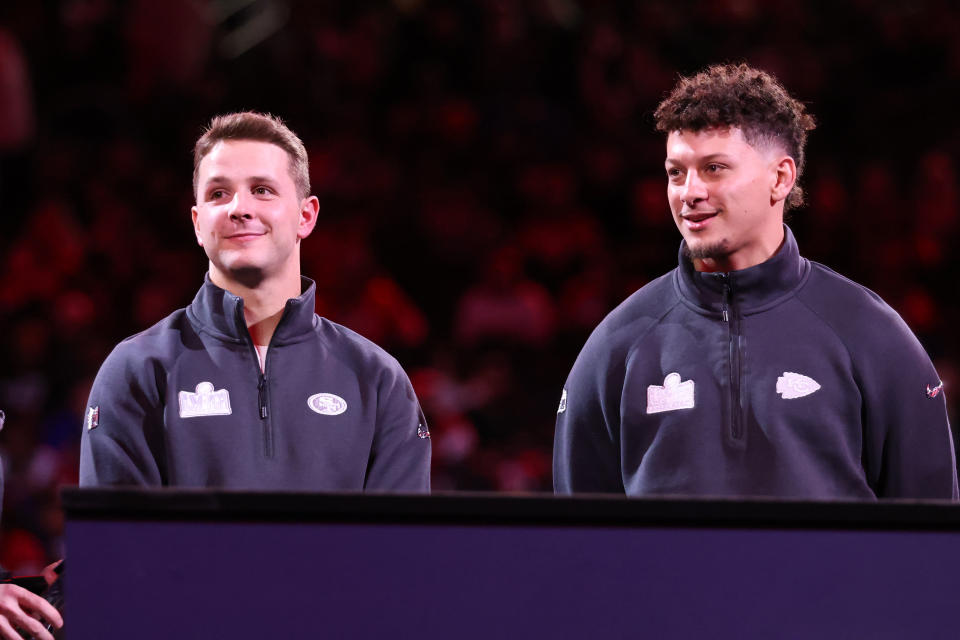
[{"x": 749, "y": 370}]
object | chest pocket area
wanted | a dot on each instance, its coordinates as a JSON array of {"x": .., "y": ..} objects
[{"x": 800, "y": 396}]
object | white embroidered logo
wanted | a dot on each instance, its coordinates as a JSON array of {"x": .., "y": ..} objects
[
  {"x": 671, "y": 396},
  {"x": 327, "y": 404},
  {"x": 93, "y": 417},
  {"x": 793, "y": 385},
  {"x": 563, "y": 402},
  {"x": 205, "y": 402}
]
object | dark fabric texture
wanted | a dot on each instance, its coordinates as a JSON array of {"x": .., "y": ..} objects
[
  {"x": 804, "y": 385},
  {"x": 184, "y": 403}
]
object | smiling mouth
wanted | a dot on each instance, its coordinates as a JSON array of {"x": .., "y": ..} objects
[
  {"x": 698, "y": 216},
  {"x": 696, "y": 221},
  {"x": 240, "y": 237}
]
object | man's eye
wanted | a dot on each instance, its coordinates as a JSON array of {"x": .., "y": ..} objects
[
  {"x": 217, "y": 194},
  {"x": 673, "y": 173},
  {"x": 714, "y": 167},
  {"x": 261, "y": 191}
]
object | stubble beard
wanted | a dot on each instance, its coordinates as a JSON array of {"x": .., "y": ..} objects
[
  {"x": 713, "y": 251},
  {"x": 249, "y": 277},
  {"x": 246, "y": 275}
]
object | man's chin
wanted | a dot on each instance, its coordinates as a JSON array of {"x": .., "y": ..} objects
[
  {"x": 248, "y": 275},
  {"x": 706, "y": 250},
  {"x": 245, "y": 274}
]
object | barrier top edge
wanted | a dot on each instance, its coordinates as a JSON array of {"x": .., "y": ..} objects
[{"x": 462, "y": 508}]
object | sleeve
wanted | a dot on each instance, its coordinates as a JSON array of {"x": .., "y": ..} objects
[
  {"x": 908, "y": 446},
  {"x": 4, "y": 574},
  {"x": 121, "y": 442},
  {"x": 400, "y": 454},
  {"x": 586, "y": 444}
]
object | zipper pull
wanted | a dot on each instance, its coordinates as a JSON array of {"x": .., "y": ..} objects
[
  {"x": 726, "y": 299},
  {"x": 262, "y": 396}
]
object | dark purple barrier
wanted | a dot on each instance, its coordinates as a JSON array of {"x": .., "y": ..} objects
[{"x": 197, "y": 564}]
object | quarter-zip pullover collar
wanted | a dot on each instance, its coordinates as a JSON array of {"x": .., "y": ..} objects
[
  {"x": 220, "y": 313},
  {"x": 753, "y": 289}
]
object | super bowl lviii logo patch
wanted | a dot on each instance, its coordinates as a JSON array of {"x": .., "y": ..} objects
[
  {"x": 673, "y": 395},
  {"x": 205, "y": 401}
]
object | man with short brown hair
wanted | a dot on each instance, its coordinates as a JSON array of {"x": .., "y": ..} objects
[{"x": 247, "y": 387}]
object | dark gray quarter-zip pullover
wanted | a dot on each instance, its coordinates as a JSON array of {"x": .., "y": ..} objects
[
  {"x": 784, "y": 379},
  {"x": 184, "y": 403}
]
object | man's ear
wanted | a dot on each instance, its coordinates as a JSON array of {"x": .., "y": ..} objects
[
  {"x": 196, "y": 229},
  {"x": 309, "y": 210},
  {"x": 785, "y": 177}
]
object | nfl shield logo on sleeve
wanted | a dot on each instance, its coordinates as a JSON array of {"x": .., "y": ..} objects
[{"x": 93, "y": 417}]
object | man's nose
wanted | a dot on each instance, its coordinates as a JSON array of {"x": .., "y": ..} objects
[
  {"x": 239, "y": 207},
  {"x": 694, "y": 189}
]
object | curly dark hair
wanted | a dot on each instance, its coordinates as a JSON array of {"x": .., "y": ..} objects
[{"x": 737, "y": 95}]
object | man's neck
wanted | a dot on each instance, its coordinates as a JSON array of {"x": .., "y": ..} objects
[{"x": 263, "y": 303}]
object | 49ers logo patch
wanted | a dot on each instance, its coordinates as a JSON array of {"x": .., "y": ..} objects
[{"x": 327, "y": 404}]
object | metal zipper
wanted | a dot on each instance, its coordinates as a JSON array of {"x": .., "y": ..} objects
[
  {"x": 262, "y": 398},
  {"x": 734, "y": 340},
  {"x": 263, "y": 391}
]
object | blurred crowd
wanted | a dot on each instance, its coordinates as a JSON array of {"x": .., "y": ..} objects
[{"x": 490, "y": 187}]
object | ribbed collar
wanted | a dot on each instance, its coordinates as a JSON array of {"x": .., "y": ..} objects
[
  {"x": 752, "y": 289},
  {"x": 220, "y": 313}
]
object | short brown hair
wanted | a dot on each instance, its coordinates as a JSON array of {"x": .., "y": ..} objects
[
  {"x": 737, "y": 95},
  {"x": 260, "y": 127}
]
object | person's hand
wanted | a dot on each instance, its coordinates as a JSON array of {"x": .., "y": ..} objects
[{"x": 20, "y": 609}]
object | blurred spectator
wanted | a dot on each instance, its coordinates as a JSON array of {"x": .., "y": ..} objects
[
  {"x": 505, "y": 305},
  {"x": 17, "y": 118}
]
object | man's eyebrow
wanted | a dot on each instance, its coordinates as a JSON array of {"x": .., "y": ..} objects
[
  {"x": 709, "y": 158},
  {"x": 215, "y": 180},
  {"x": 715, "y": 156}
]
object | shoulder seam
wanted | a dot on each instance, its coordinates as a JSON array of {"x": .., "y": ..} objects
[
  {"x": 829, "y": 326},
  {"x": 653, "y": 324}
]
